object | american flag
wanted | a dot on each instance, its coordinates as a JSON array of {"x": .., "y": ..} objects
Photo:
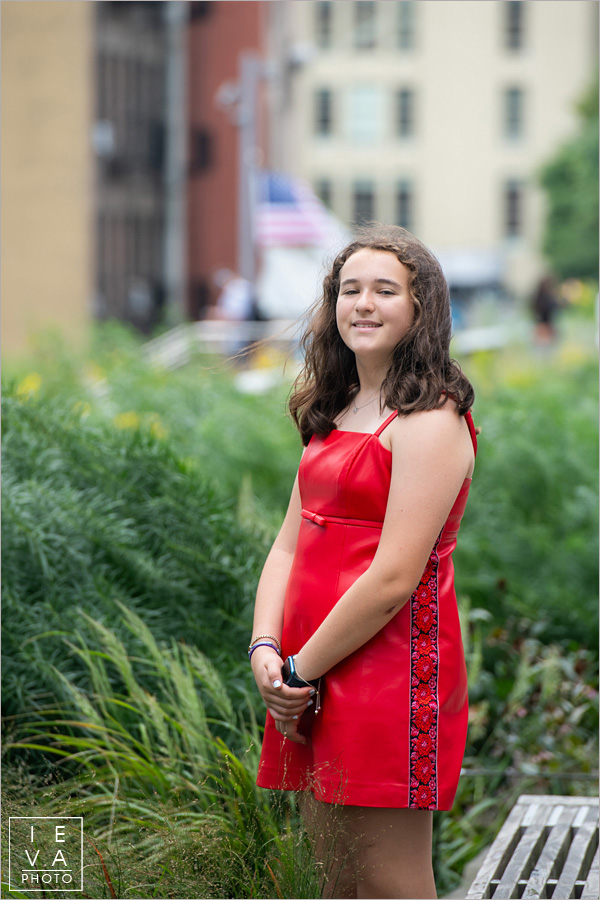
[{"x": 289, "y": 214}]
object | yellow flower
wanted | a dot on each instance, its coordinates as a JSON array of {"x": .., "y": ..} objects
[
  {"x": 157, "y": 429},
  {"x": 29, "y": 386},
  {"x": 95, "y": 373},
  {"x": 522, "y": 378},
  {"x": 269, "y": 358},
  {"x": 572, "y": 354},
  {"x": 83, "y": 408},
  {"x": 127, "y": 420}
]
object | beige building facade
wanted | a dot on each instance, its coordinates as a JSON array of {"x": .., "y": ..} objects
[
  {"x": 435, "y": 115},
  {"x": 47, "y": 171}
]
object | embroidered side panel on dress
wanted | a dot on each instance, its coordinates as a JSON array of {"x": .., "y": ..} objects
[{"x": 424, "y": 671}]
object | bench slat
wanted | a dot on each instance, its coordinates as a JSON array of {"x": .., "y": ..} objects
[
  {"x": 524, "y": 858},
  {"x": 554, "y": 853},
  {"x": 591, "y": 890},
  {"x": 554, "y": 799},
  {"x": 498, "y": 855},
  {"x": 577, "y": 862}
]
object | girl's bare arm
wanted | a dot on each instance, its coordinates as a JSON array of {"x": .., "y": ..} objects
[{"x": 282, "y": 701}]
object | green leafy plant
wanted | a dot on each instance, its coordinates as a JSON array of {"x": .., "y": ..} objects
[
  {"x": 529, "y": 542},
  {"x": 94, "y": 515}
]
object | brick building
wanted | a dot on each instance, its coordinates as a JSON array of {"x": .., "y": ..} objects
[{"x": 219, "y": 33}]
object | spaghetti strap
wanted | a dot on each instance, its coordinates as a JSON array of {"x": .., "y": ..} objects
[
  {"x": 386, "y": 423},
  {"x": 469, "y": 419}
]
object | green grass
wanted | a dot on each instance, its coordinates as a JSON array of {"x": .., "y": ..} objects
[{"x": 164, "y": 779}]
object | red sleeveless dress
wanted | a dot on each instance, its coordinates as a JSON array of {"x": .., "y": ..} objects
[{"x": 392, "y": 727}]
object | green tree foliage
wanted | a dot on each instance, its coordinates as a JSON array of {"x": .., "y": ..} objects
[{"x": 570, "y": 180}]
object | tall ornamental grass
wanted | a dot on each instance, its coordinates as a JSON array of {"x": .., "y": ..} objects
[
  {"x": 94, "y": 515},
  {"x": 164, "y": 776},
  {"x": 163, "y": 768}
]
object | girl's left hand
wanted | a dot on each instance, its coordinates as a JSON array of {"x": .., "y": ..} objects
[{"x": 290, "y": 731}]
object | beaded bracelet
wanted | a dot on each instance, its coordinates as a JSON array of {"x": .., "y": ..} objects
[
  {"x": 269, "y": 637},
  {"x": 262, "y": 644}
]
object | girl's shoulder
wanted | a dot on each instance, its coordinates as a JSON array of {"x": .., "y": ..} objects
[{"x": 442, "y": 426}]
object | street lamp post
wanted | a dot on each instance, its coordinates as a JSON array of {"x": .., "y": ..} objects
[
  {"x": 176, "y": 14},
  {"x": 240, "y": 98},
  {"x": 250, "y": 74}
]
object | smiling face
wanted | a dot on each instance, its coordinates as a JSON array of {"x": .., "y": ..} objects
[{"x": 374, "y": 308}]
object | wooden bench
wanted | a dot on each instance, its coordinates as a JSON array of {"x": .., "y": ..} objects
[{"x": 548, "y": 847}]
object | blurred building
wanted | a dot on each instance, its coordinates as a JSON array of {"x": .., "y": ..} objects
[
  {"x": 435, "y": 116},
  {"x": 134, "y": 132},
  {"x": 226, "y": 91},
  {"x": 129, "y": 140},
  {"x": 121, "y": 182},
  {"x": 85, "y": 188},
  {"x": 47, "y": 174}
]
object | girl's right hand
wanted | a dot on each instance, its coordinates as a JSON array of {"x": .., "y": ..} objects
[{"x": 284, "y": 703}]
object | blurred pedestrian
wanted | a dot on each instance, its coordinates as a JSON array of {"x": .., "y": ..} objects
[
  {"x": 235, "y": 303},
  {"x": 356, "y": 647},
  {"x": 544, "y": 306},
  {"x": 235, "y": 300}
]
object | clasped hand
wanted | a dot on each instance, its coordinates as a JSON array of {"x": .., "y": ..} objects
[{"x": 286, "y": 704}]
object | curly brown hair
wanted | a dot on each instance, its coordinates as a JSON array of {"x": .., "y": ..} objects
[{"x": 421, "y": 375}]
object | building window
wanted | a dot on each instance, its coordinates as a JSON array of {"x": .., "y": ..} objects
[
  {"x": 323, "y": 112},
  {"x": 513, "y": 113},
  {"x": 323, "y": 23},
  {"x": 405, "y": 205},
  {"x": 323, "y": 190},
  {"x": 406, "y": 24},
  {"x": 128, "y": 134},
  {"x": 199, "y": 296},
  {"x": 405, "y": 112},
  {"x": 201, "y": 150},
  {"x": 365, "y": 107},
  {"x": 364, "y": 202},
  {"x": 513, "y": 209},
  {"x": 199, "y": 9},
  {"x": 514, "y": 12},
  {"x": 364, "y": 30}
]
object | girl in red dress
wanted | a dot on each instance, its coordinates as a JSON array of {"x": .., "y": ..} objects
[{"x": 356, "y": 646}]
